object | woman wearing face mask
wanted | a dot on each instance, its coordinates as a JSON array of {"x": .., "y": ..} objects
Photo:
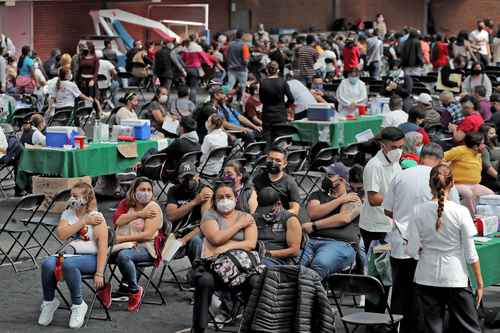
[
  {"x": 489, "y": 173},
  {"x": 477, "y": 78},
  {"x": 224, "y": 229},
  {"x": 88, "y": 68},
  {"x": 33, "y": 131},
  {"x": 411, "y": 150},
  {"x": 131, "y": 101},
  {"x": 144, "y": 217},
  {"x": 216, "y": 138},
  {"x": 155, "y": 111},
  {"x": 466, "y": 165},
  {"x": 82, "y": 222},
  {"x": 400, "y": 84},
  {"x": 246, "y": 197},
  {"x": 351, "y": 93}
]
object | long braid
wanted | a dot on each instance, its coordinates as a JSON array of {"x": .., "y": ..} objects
[
  {"x": 440, "y": 181},
  {"x": 441, "y": 196}
]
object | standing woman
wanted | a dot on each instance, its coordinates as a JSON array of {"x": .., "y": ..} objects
[
  {"x": 272, "y": 93},
  {"x": 25, "y": 81},
  {"x": 440, "y": 237},
  {"x": 88, "y": 67}
]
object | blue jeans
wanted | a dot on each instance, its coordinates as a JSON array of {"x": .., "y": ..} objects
[
  {"x": 126, "y": 260},
  {"x": 194, "y": 247},
  {"x": 237, "y": 76},
  {"x": 193, "y": 81},
  {"x": 327, "y": 256},
  {"x": 72, "y": 269},
  {"x": 272, "y": 261}
]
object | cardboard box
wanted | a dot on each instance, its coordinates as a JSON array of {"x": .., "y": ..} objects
[{"x": 51, "y": 186}]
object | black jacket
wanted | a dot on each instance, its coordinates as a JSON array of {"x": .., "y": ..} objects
[
  {"x": 411, "y": 53},
  {"x": 177, "y": 149},
  {"x": 163, "y": 66},
  {"x": 288, "y": 299}
]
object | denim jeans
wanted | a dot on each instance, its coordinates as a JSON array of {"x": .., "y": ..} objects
[
  {"x": 193, "y": 81},
  {"x": 72, "y": 269},
  {"x": 327, "y": 256},
  {"x": 194, "y": 247},
  {"x": 126, "y": 260},
  {"x": 272, "y": 261},
  {"x": 237, "y": 76}
]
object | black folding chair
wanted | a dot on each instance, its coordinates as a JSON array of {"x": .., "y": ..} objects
[
  {"x": 323, "y": 158},
  {"x": 260, "y": 164},
  {"x": 48, "y": 221},
  {"x": 361, "y": 285},
  {"x": 296, "y": 160},
  {"x": 15, "y": 229},
  {"x": 287, "y": 129},
  {"x": 82, "y": 115},
  {"x": 169, "y": 175},
  {"x": 20, "y": 115},
  {"x": 112, "y": 116},
  {"x": 253, "y": 151},
  {"x": 284, "y": 141},
  {"x": 217, "y": 154},
  {"x": 151, "y": 168},
  {"x": 7, "y": 176},
  {"x": 61, "y": 117}
]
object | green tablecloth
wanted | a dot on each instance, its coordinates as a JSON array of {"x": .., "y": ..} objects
[
  {"x": 337, "y": 134},
  {"x": 489, "y": 258},
  {"x": 95, "y": 160}
]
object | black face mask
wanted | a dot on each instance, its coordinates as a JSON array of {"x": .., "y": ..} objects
[
  {"x": 328, "y": 187},
  {"x": 189, "y": 185},
  {"x": 273, "y": 167},
  {"x": 475, "y": 71}
]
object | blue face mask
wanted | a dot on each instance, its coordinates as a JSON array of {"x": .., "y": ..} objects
[
  {"x": 317, "y": 87},
  {"x": 353, "y": 80}
]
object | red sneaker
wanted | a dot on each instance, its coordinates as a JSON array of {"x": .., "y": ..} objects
[
  {"x": 104, "y": 295},
  {"x": 134, "y": 300}
]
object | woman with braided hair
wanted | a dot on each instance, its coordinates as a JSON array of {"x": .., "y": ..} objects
[{"x": 440, "y": 237}]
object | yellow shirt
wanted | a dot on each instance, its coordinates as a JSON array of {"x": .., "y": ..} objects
[{"x": 466, "y": 165}]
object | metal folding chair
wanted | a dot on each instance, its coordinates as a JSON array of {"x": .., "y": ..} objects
[
  {"x": 296, "y": 160},
  {"x": 167, "y": 175},
  {"x": 254, "y": 150},
  {"x": 12, "y": 227},
  {"x": 61, "y": 117},
  {"x": 216, "y": 154}
]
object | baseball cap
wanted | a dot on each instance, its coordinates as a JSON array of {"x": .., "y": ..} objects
[
  {"x": 338, "y": 169},
  {"x": 216, "y": 90},
  {"x": 187, "y": 168},
  {"x": 424, "y": 99},
  {"x": 266, "y": 199}
]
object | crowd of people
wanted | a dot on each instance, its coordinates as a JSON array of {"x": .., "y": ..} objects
[{"x": 415, "y": 186}]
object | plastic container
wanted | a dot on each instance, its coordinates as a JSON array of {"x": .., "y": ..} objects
[
  {"x": 142, "y": 128},
  {"x": 362, "y": 109},
  {"x": 80, "y": 141},
  {"x": 320, "y": 112},
  {"x": 59, "y": 136}
]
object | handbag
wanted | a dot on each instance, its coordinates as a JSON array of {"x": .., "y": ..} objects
[{"x": 236, "y": 266}]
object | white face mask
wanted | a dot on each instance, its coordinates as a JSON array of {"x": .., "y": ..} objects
[
  {"x": 226, "y": 205},
  {"x": 163, "y": 99},
  {"x": 143, "y": 197},
  {"x": 394, "y": 155}
]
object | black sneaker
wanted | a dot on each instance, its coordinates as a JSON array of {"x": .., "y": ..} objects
[{"x": 121, "y": 295}]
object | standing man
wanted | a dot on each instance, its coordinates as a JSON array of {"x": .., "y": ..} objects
[
  {"x": 377, "y": 176},
  {"x": 306, "y": 58},
  {"x": 480, "y": 39},
  {"x": 238, "y": 56},
  {"x": 374, "y": 54},
  {"x": 408, "y": 189},
  {"x": 163, "y": 66}
]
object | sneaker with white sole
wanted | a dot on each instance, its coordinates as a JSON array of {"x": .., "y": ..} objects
[
  {"x": 78, "y": 315},
  {"x": 47, "y": 310}
]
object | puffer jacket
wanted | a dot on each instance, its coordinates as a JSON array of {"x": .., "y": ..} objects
[{"x": 288, "y": 299}]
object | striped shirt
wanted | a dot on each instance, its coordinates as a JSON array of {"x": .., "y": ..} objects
[{"x": 306, "y": 58}]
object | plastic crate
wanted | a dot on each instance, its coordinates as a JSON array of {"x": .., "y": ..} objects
[
  {"x": 142, "y": 128},
  {"x": 58, "y": 136}
]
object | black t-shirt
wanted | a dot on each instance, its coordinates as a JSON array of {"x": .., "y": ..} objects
[
  {"x": 178, "y": 196},
  {"x": 177, "y": 149},
  {"x": 286, "y": 186},
  {"x": 348, "y": 233},
  {"x": 272, "y": 94}
]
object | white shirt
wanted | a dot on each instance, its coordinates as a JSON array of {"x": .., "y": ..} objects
[
  {"x": 302, "y": 96},
  {"x": 65, "y": 96},
  {"x": 408, "y": 188},
  {"x": 105, "y": 68},
  {"x": 394, "y": 118},
  {"x": 470, "y": 83},
  {"x": 480, "y": 38},
  {"x": 377, "y": 177},
  {"x": 348, "y": 93},
  {"x": 124, "y": 114},
  {"x": 80, "y": 246},
  {"x": 38, "y": 138},
  {"x": 3, "y": 143},
  {"x": 443, "y": 254},
  {"x": 215, "y": 139}
]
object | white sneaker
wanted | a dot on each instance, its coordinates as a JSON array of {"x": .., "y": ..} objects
[
  {"x": 47, "y": 310},
  {"x": 78, "y": 315}
]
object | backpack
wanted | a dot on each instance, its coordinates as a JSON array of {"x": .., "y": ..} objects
[
  {"x": 236, "y": 266},
  {"x": 14, "y": 149}
]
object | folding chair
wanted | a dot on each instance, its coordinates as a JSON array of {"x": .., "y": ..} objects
[
  {"x": 258, "y": 165},
  {"x": 361, "y": 285},
  {"x": 168, "y": 175},
  {"x": 16, "y": 230},
  {"x": 141, "y": 270},
  {"x": 20, "y": 115},
  {"x": 47, "y": 221},
  {"x": 254, "y": 150},
  {"x": 284, "y": 141},
  {"x": 296, "y": 160},
  {"x": 87, "y": 280},
  {"x": 287, "y": 129},
  {"x": 82, "y": 115},
  {"x": 324, "y": 157},
  {"x": 61, "y": 117},
  {"x": 216, "y": 154}
]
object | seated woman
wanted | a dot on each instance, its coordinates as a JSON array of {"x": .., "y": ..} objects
[
  {"x": 490, "y": 172},
  {"x": 155, "y": 111},
  {"x": 33, "y": 131},
  {"x": 131, "y": 101},
  {"x": 138, "y": 221},
  {"x": 63, "y": 93},
  {"x": 466, "y": 165},
  {"x": 216, "y": 138},
  {"x": 182, "y": 106},
  {"x": 224, "y": 229},
  {"x": 411, "y": 150},
  {"x": 82, "y": 221},
  {"x": 280, "y": 232}
]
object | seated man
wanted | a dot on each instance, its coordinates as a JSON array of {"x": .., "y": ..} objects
[
  {"x": 235, "y": 121},
  {"x": 184, "y": 207},
  {"x": 416, "y": 117},
  {"x": 275, "y": 177},
  {"x": 432, "y": 117},
  {"x": 318, "y": 91},
  {"x": 334, "y": 230},
  {"x": 280, "y": 232},
  {"x": 472, "y": 119},
  {"x": 186, "y": 143},
  {"x": 451, "y": 110}
]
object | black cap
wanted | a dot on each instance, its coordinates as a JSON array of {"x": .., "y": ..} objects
[{"x": 187, "y": 168}]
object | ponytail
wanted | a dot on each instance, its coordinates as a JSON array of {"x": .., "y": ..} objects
[
  {"x": 440, "y": 181},
  {"x": 440, "y": 209}
]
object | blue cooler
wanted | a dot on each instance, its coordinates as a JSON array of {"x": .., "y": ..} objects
[
  {"x": 58, "y": 136},
  {"x": 142, "y": 128},
  {"x": 320, "y": 112}
]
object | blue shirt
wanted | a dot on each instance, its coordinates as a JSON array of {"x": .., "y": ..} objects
[
  {"x": 26, "y": 67},
  {"x": 230, "y": 115}
]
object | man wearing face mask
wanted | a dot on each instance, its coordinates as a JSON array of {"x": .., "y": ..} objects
[
  {"x": 477, "y": 78},
  {"x": 334, "y": 232},
  {"x": 377, "y": 176},
  {"x": 184, "y": 206},
  {"x": 274, "y": 176},
  {"x": 351, "y": 93},
  {"x": 480, "y": 39},
  {"x": 399, "y": 84},
  {"x": 403, "y": 195},
  {"x": 280, "y": 232}
]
